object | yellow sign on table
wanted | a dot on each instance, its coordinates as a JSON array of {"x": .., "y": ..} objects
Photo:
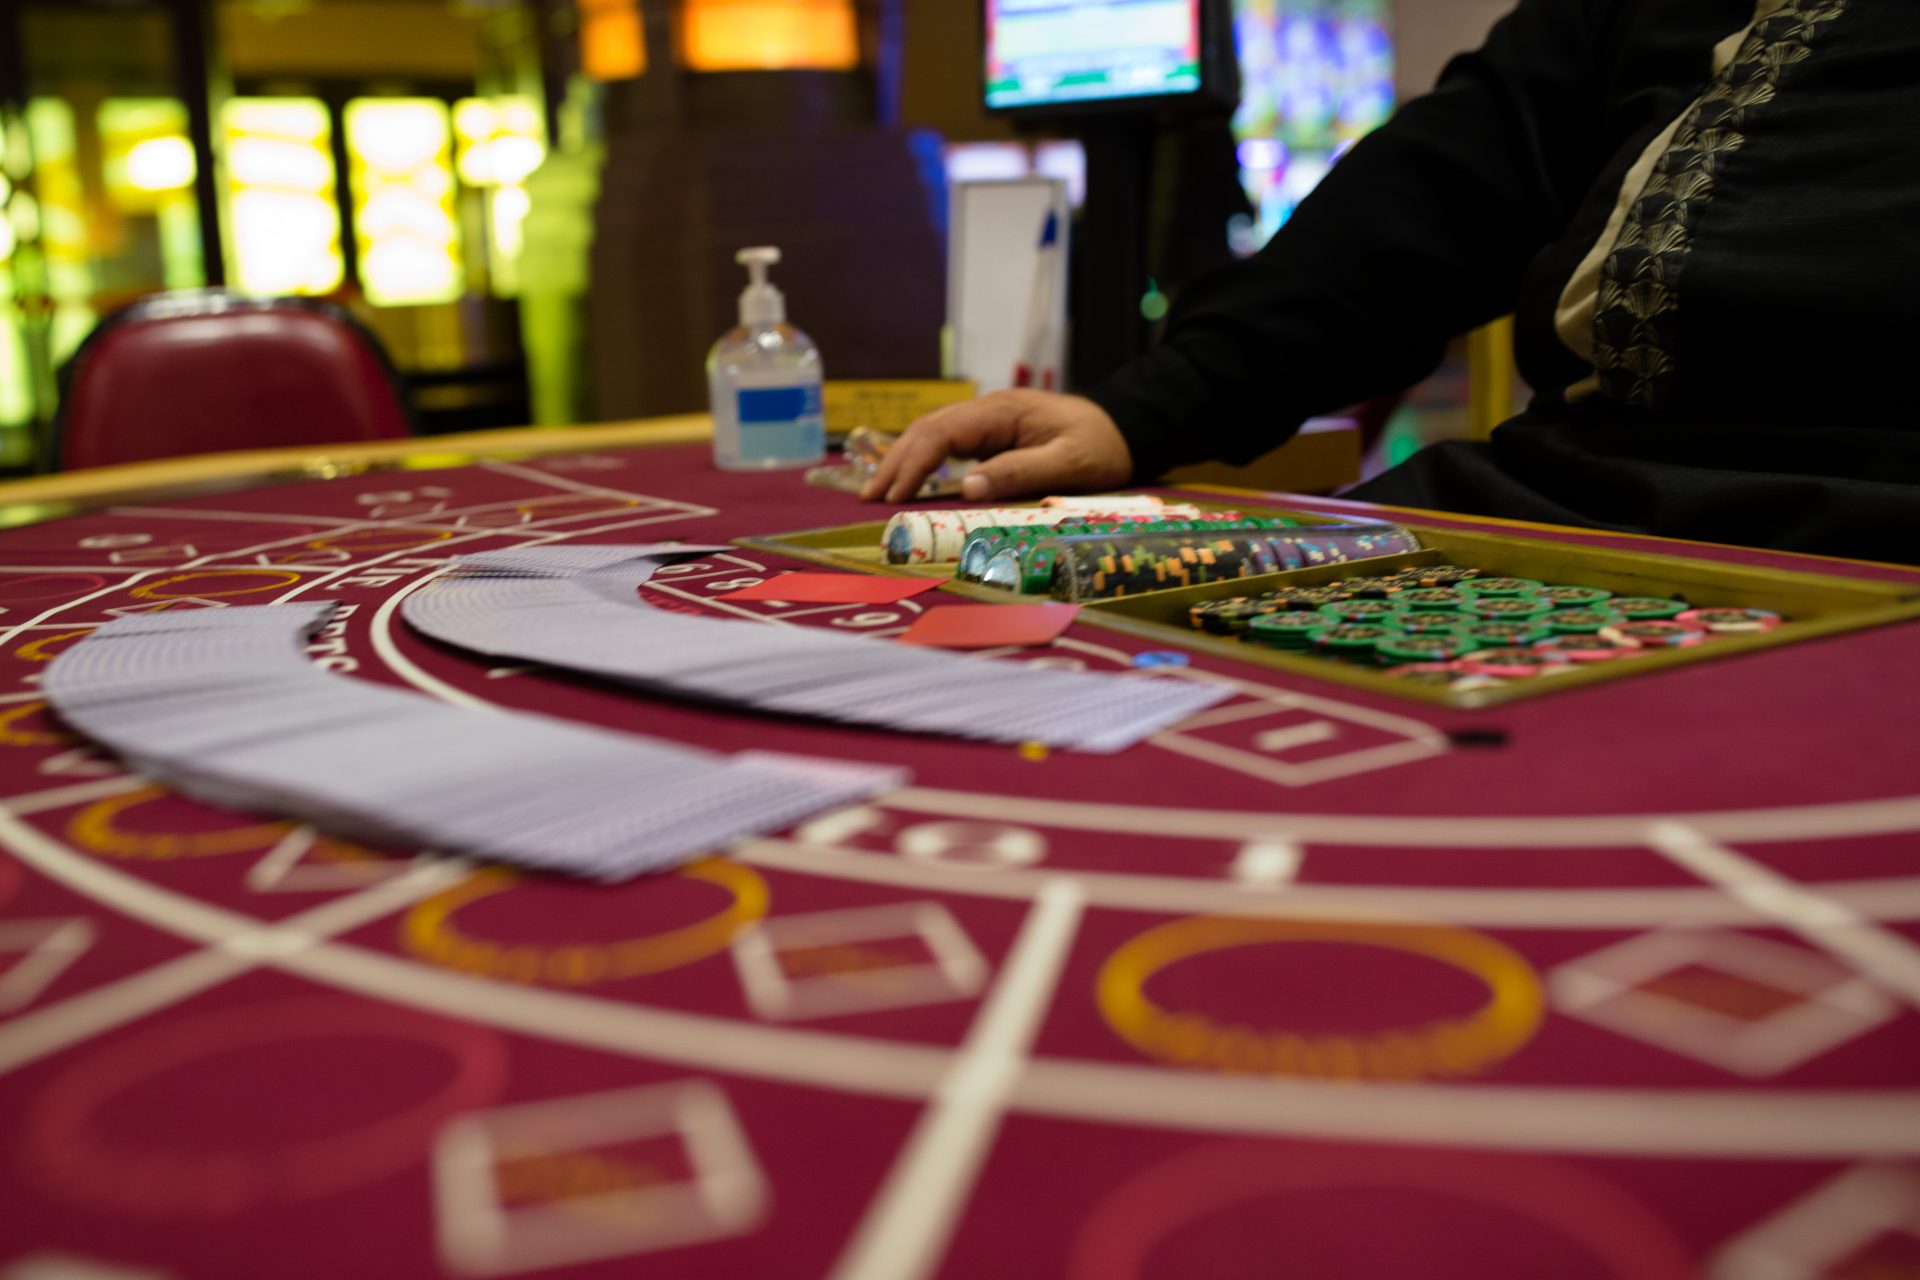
[{"x": 889, "y": 405}]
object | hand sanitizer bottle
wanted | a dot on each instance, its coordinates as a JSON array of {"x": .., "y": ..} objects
[{"x": 765, "y": 381}]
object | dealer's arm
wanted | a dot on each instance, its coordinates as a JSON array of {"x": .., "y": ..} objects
[{"x": 1421, "y": 233}]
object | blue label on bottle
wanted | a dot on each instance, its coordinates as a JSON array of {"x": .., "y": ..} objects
[
  {"x": 779, "y": 404},
  {"x": 781, "y": 422}
]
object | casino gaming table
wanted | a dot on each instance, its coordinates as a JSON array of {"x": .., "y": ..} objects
[{"x": 1617, "y": 982}]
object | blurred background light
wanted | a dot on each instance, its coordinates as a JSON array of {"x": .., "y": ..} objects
[
  {"x": 769, "y": 35},
  {"x": 405, "y": 222}
]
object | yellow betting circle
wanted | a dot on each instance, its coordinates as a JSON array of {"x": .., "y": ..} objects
[
  {"x": 96, "y": 830},
  {"x": 429, "y": 932},
  {"x": 151, "y": 590},
  {"x": 12, "y": 737},
  {"x": 1445, "y": 1047},
  {"x": 381, "y": 540},
  {"x": 36, "y": 650}
]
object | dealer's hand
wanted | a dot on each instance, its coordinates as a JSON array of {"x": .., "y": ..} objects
[{"x": 1033, "y": 442}]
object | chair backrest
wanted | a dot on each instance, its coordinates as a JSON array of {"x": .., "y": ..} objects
[{"x": 204, "y": 372}]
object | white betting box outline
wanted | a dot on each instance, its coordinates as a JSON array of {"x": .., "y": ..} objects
[
  {"x": 957, "y": 971},
  {"x": 1835, "y": 1005},
  {"x": 47, "y": 948},
  {"x": 727, "y": 1195},
  {"x": 1803, "y": 1240}
]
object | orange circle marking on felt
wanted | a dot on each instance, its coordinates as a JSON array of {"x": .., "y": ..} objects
[
  {"x": 429, "y": 932},
  {"x": 380, "y": 540},
  {"x": 1444, "y": 1047},
  {"x": 12, "y": 737},
  {"x": 152, "y": 591},
  {"x": 36, "y": 650},
  {"x": 96, "y": 829}
]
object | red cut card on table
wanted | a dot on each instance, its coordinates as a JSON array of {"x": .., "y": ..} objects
[
  {"x": 990, "y": 626},
  {"x": 834, "y": 588}
]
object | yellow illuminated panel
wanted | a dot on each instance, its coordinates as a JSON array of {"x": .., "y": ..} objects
[
  {"x": 149, "y": 166},
  {"x": 613, "y": 45},
  {"x": 58, "y": 221},
  {"x": 769, "y": 35},
  {"x": 282, "y": 194},
  {"x": 499, "y": 143},
  {"x": 403, "y": 199}
]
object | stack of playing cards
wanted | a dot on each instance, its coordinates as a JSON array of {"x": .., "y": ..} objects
[
  {"x": 222, "y": 704},
  {"x": 585, "y": 615}
]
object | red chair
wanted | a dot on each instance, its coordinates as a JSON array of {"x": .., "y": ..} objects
[{"x": 205, "y": 371}]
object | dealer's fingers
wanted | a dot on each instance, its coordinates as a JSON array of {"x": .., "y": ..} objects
[
  {"x": 1044, "y": 468},
  {"x": 974, "y": 429}
]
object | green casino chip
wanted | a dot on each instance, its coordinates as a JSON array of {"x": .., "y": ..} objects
[
  {"x": 1449, "y": 599},
  {"x": 1426, "y": 624},
  {"x": 1400, "y": 649},
  {"x": 1575, "y": 597},
  {"x": 1289, "y": 630},
  {"x": 1349, "y": 639},
  {"x": 1580, "y": 621},
  {"x": 1508, "y": 608},
  {"x": 1503, "y": 586},
  {"x": 1360, "y": 610},
  {"x": 1504, "y": 635}
]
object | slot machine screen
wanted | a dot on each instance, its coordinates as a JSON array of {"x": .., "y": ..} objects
[{"x": 1057, "y": 53}]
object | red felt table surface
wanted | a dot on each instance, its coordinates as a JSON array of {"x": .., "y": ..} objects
[{"x": 1618, "y": 982}]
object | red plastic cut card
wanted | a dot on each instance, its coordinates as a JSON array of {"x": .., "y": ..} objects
[
  {"x": 834, "y": 588},
  {"x": 990, "y": 626}
]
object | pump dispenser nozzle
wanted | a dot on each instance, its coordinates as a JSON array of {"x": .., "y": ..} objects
[{"x": 760, "y": 302}]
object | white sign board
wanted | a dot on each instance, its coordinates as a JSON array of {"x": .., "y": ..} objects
[{"x": 1006, "y": 294}]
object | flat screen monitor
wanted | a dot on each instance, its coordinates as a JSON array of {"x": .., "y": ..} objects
[{"x": 1064, "y": 53}]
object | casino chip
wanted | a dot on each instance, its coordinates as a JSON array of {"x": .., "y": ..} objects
[
  {"x": 1579, "y": 621},
  {"x": 1352, "y": 640},
  {"x": 1404, "y": 648},
  {"x": 1429, "y": 624},
  {"x": 1575, "y": 597},
  {"x": 1360, "y": 609},
  {"x": 1646, "y": 608},
  {"x": 1433, "y": 599},
  {"x": 1511, "y": 664},
  {"x": 1730, "y": 622},
  {"x": 1440, "y": 575},
  {"x": 1162, "y": 658},
  {"x": 1291, "y": 630},
  {"x": 1653, "y": 635},
  {"x": 1502, "y": 608},
  {"x": 1577, "y": 647},
  {"x": 1503, "y": 586},
  {"x": 1366, "y": 588},
  {"x": 1500, "y": 635}
]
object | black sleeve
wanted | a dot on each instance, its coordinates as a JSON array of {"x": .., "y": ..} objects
[{"x": 1421, "y": 233}]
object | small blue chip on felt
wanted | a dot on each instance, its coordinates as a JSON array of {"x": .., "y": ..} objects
[{"x": 1162, "y": 658}]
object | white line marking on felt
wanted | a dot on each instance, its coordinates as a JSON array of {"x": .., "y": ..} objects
[
  {"x": 83, "y": 793},
  {"x": 1806, "y": 822},
  {"x": 846, "y": 1064},
  {"x": 551, "y": 480},
  {"x": 235, "y": 943},
  {"x": 381, "y": 633},
  {"x": 263, "y": 517},
  {"x": 1267, "y": 864},
  {"x": 905, "y": 1231},
  {"x": 1881, "y": 954},
  {"x": 7, "y": 636},
  {"x": 1635, "y": 1120}
]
